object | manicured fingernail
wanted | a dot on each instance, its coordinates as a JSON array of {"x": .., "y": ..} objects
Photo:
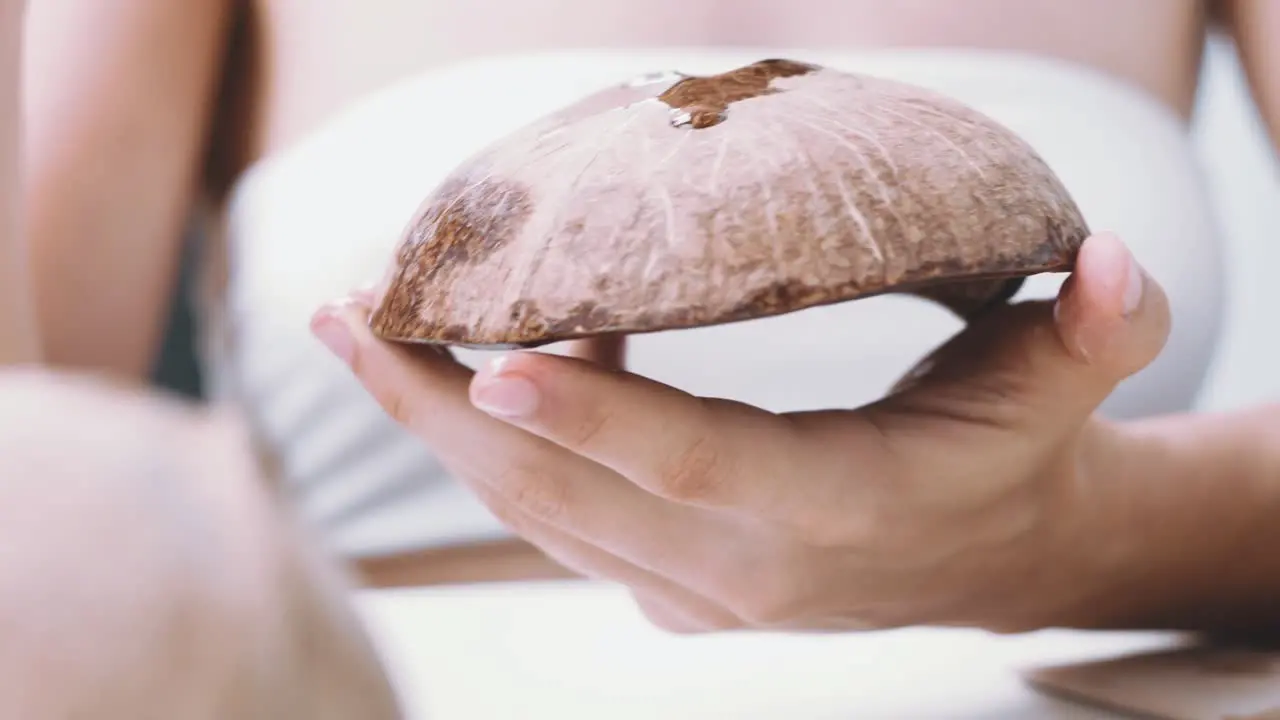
[
  {"x": 506, "y": 396},
  {"x": 1134, "y": 286},
  {"x": 330, "y": 330}
]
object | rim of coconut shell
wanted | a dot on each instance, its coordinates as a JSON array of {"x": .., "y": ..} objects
[{"x": 676, "y": 201}]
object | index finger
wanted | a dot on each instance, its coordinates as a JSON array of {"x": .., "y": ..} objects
[{"x": 681, "y": 447}]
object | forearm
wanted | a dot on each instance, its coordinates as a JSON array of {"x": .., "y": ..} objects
[
  {"x": 17, "y": 327},
  {"x": 119, "y": 98},
  {"x": 1185, "y": 521}
]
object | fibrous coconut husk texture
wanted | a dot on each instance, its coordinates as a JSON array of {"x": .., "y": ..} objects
[{"x": 677, "y": 201}]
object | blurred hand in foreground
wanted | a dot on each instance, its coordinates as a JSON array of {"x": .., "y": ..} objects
[{"x": 148, "y": 572}]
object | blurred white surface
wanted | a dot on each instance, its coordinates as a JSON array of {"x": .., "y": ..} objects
[
  {"x": 578, "y": 651},
  {"x": 1245, "y": 183}
]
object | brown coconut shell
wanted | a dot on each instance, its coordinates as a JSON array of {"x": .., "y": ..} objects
[{"x": 677, "y": 201}]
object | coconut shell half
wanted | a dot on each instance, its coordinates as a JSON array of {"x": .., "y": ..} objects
[{"x": 678, "y": 201}]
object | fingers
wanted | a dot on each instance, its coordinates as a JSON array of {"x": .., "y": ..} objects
[
  {"x": 427, "y": 393},
  {"x": 691, "y": 450},
  {"x": 577, "y": 512},
  {"x": 1113, "y": 317},
  {"x": 425, "y": 390},
  {"x": 667, "y": 603},
  {"x": 1038, "y": 364},
  {"x": 398, "y": 377},
  {"x": 650, "y": 433}
]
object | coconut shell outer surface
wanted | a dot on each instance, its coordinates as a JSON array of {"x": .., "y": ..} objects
[{"x": 677, "y": 201}]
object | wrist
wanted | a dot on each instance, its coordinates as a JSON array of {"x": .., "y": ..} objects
[{"x": 1177, "y": 520}]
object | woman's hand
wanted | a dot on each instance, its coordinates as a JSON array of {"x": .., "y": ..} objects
[{"x": 962, "y": 498}]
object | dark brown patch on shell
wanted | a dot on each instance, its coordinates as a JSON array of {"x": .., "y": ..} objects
[
  {"x": 704, "y": 100},
  {"x": 462, "y": 223}
]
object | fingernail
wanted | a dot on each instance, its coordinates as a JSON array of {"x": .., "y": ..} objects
[
  {"x": 1134, "y": 286},
  {"x": 506, "y": 396},
  {"x": 334, "y": 334}
]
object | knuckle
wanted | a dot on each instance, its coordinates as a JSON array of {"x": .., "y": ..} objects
[
  {"x": 505, "y": 511},
  {"x": 393, "y": 401},
  {"x": 536, "y": 493},
  {"x": 845, "y": 531},
  {"x": 694, "y": 473},
  {"x": 768, "y": 596},
  {"x": 591, "y": 428}
]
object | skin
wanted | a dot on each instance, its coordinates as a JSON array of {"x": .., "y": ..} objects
[{"x": 937, "y": 505}]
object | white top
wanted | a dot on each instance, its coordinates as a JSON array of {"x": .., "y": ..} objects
[
  {"x": 310, "y": 223},
  {"x": 583, "y": 652}
]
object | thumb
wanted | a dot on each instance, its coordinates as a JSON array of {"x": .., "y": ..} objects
[{"x": 1048, "y": 363}]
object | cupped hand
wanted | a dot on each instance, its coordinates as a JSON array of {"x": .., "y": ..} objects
[{"x": 961, "y": 498}]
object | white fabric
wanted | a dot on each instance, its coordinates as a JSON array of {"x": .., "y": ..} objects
[
  {"x": 582, "y": 652},
  {"x": 312, "y": 222}
]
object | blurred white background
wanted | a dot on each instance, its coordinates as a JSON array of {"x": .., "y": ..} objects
[{"x": 1245, "y": 181}]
